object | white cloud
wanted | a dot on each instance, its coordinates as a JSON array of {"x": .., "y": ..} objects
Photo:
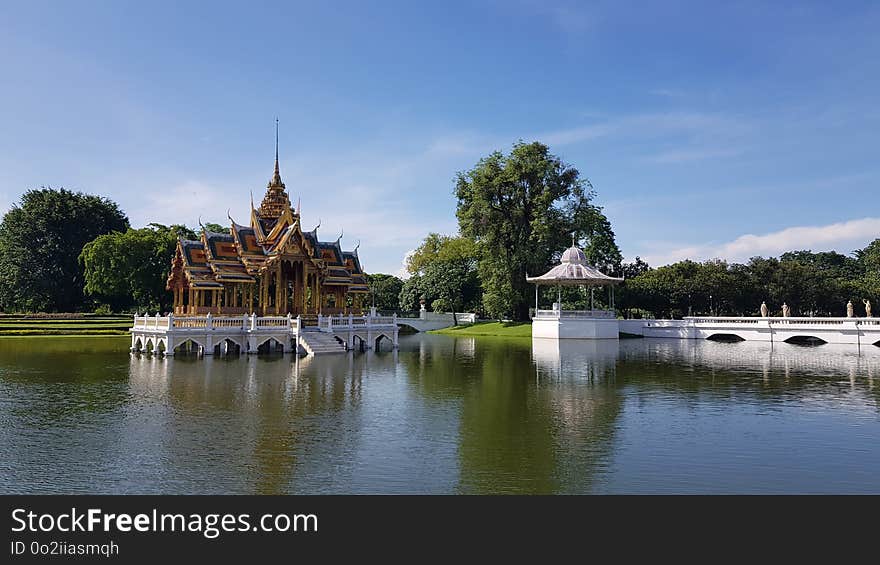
[
  {"x": 402, "y": 273},
  {"x": 843, "y": 237},
  {"x": 697, "y": 125}
]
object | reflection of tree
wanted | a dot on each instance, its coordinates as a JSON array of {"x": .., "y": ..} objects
[
  {"x": 506, "y": 431},
  {"x": 537, "y": 428},
  {"x": 522, "y": 428},
  {"x": 439, "y": 368},
  {"x": 70, "y": 384}
]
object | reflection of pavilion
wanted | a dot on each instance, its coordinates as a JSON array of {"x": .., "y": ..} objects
[
  {"x": 576, "y": 358},
  {"x": 577, "y": 324}
]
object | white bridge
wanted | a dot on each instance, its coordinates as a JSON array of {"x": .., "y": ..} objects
[
  {"x": 854, "y": 331},
  {"x": 210, "y": 335}
]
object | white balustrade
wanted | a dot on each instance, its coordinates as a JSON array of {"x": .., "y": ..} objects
[
  {"x": 799, "y": 321},
  {"x": 556, "y": 314}
]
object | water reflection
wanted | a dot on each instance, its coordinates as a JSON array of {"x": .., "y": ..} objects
[{"x": 442, "y": 415}]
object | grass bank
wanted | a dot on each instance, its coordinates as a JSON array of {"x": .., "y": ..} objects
[
  {"x": 501, "y": 329},
  {"x": 75, "y": 325}
]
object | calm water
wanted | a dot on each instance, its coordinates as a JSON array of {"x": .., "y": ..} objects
[{"x": 442, "y": 415}]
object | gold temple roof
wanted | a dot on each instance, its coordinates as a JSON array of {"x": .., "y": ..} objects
[{"x": 245, "y": 252}]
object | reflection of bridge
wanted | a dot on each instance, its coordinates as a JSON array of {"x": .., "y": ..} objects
[
  {"x": 211, "y": 335},
  {"x": 855, "y": 331}
]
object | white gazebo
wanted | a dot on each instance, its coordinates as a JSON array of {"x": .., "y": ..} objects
[{"x": 575, "y": 324}]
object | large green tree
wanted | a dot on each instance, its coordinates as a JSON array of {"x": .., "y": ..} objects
[
  {"x": 447, "y": 270},
  {"x": 127, "y": 270},
  {"x": 385, "y": 291},
  {"x": 41, "y": 238},
  {"x": 522, "y": 210},
  {"x": 412, "y": 292}
]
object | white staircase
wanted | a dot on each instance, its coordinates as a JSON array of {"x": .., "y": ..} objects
[{"x": 318, "y": 343}]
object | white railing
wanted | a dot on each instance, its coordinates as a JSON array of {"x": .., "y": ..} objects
[
  {"x": 254, "y": 323},
  {"x": 156, "y": 322},
  {"x": 350, "y": 322},
  {"x": 190, "y": 322},
  {"x": 791, "y": 320},
  {"x": 557, "y": 314},
  {"x": 272, "y": 322},
  {"x": 238, "y": 322}
]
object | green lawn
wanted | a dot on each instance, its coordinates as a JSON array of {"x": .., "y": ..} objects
[
  {"x": 83, "y": 331},
  {"x": 503, "y": 329},
  {"x": 78, "y": 325}
]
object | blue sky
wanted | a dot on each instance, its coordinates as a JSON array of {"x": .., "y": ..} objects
[{"x": 723, "y": 130}]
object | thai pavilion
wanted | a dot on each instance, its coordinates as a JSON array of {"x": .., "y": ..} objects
[{"x": 269, "y": 267}]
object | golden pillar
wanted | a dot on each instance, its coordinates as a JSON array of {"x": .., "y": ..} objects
[
  {"x": 301, "y": 302},
  {"x": 278, "y": 288}
]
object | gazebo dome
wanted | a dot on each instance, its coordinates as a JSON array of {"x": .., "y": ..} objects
[
  {"x": 573, "y": 270},
  {"x": 574, "y": 255}
]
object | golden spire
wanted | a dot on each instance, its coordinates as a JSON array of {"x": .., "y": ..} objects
[
  {"x": 275, "y": 202},
  {"x": 276, "y": 176}
]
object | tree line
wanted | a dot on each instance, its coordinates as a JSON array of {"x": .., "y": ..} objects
[
  {"x": 64, "y": 251},
  {"x": 518, "y": 212},
  {"x": 811, "y": 284}
]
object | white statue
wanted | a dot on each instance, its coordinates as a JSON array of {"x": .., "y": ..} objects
[
  {"x": 786, "y": 311},
  {"x": 849, "y": 309},
  {"x": 867, "y": 308},
  {"x": 764, "y": 310}
]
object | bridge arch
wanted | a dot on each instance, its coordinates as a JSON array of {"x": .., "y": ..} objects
[
  {"x": 269, "y": 344},
  {"x": 138, "y": 345},
  {"x": 358, "y": 342},
  {"x": 806, "y": 340},
  {"x": 378, "y": 341},
  {"x": 185, "y": 346},
  {"x": 232, "y": 345},
  {"x": 726, "y": 337}
]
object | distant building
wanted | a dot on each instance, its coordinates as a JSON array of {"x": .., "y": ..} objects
[{"x": 270, "y": 267}]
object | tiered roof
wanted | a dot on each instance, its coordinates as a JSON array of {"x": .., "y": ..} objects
[{"x": 274, "y": 232}]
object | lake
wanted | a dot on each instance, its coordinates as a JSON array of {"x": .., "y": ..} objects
[{"x": 442, "y": 415}]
